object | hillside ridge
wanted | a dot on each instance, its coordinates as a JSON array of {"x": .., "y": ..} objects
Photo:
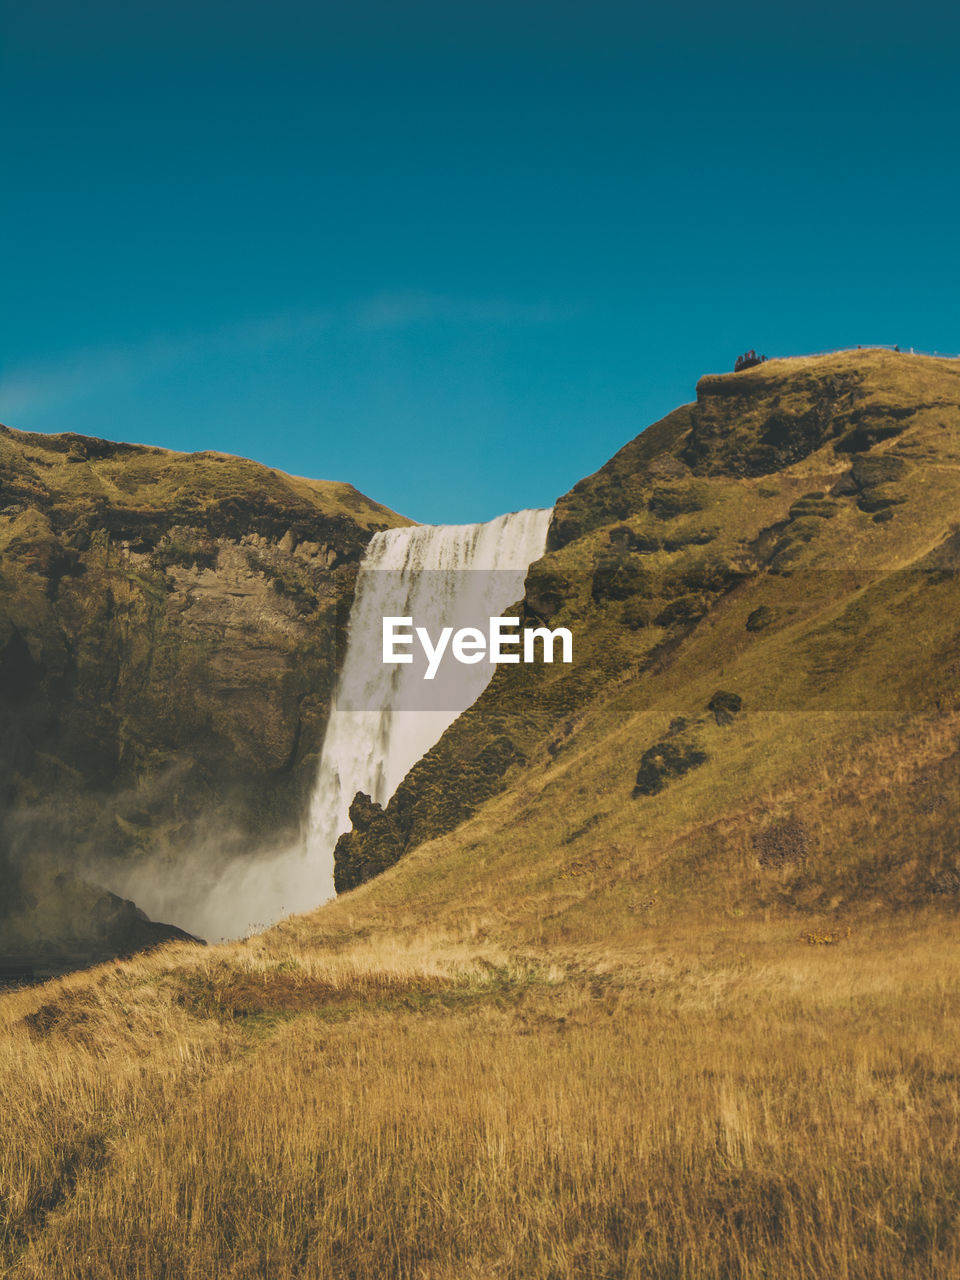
[{"x": 784, "y": 546}]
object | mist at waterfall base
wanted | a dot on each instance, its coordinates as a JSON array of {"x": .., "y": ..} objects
[{"x": 383, "y": 719}]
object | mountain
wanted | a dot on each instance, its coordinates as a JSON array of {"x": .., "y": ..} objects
[
  {"x": 168, "y": 628},
  {"x": 763, "y": 593},
  {"x": 649, "y": 969}
]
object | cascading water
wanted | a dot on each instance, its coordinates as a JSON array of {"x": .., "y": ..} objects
[{"x": 385, "y": 717}]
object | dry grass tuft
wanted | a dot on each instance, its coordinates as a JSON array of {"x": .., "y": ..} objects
[{"x": 711, "y": 1102}]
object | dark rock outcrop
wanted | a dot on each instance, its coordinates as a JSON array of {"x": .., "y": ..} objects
[
  {"x": 761, "y": 618},
  {"x": 436, "y": 795},
  {"x": 169, "y": 629},
  {"x": 758, "y": 423},
  {"x": 374, "y": 843},
  {"x": 56, "y": 921},
  {"x": 663, "y": 762},
  {"x": 725, "y": 706}
]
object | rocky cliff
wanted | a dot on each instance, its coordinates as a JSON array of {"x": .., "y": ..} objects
[
  {"x": 167, "y": 645},
  {"x": 785, "y": 545}
]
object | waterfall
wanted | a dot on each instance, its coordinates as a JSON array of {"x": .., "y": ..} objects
[{"x": 385, "y": 717}]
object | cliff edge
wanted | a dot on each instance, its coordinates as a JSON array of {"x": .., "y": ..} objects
[{"x": 167, "y": 645}]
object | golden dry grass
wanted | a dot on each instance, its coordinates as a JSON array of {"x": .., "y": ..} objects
[{"x": 715, "y": 1101}]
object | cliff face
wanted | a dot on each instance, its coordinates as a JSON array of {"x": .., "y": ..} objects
[
  {"x": 786, "y": 544},
  {"x": 167, "y": 644}
]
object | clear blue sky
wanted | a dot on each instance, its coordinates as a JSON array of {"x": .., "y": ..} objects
[{"x": 458, "y": 253}]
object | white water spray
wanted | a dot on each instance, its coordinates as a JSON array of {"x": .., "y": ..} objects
[{"x": 384, "y": 718}]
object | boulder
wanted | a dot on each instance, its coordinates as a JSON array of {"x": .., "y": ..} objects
[
  {"x": 724, "y": 706},
  {"x": 663, "y": 762}
]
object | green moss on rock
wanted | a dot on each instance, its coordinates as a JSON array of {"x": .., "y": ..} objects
[{"x": 665, "y": 761}]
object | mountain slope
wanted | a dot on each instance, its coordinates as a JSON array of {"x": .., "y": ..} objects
[{"x": 764, "y": 597}]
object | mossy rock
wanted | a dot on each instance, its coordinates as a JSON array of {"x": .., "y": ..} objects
[
  {"x": 286, "y": 579},
  {"x": 669, "y": 501},
  {"x": 876, "y": 500},
  {"x": 802, "y": 529},
  {"x": 618, "y": 578},
  {"x": 877, "y": 469},
  {"x": 683, "y": 612},
  {"x": 564, "y": 528},
  {"x": 186, "y": 549},
  {"x": 546, "y": 591},
  {"x": 624, "y": 538},
  {"x": 683, "y": 538},
  {"x": 761, "y": 618},
  {"x": 813, "y": 507},
  {"x": 153, "y": 711},
  {"x": 845, "y": 487},
  {"x": 663, "y": 762},
  {"x": 708, "y": 572},
  {"x": 497, "y": 756},
  {"x": 795, "y": 537},
  {"x": 862, "y": 438},
  {"x": 621, "y": 537},
  {"x": 374, "y": 843},
  {"x": 725, "y": 705}
]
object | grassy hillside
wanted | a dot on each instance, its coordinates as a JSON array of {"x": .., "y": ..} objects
[
  {"x": 144, "y": 487},
  {"x": 664, "y": 984},
  {"x": 820, "y": 599}
]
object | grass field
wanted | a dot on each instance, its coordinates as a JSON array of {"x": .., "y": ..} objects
[{"x": 739, "y": 1100}]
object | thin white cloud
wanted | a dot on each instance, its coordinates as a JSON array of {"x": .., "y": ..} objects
[
  {"x": 404, "y": 311},
  {"x": 79, "y": 376}
]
